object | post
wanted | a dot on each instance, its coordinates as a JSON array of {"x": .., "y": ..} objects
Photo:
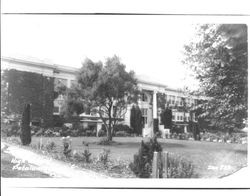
[
  {"x": 41, "y": 143},
  {"x": 165, "y": 164},
  {"x": 155, "y": 168},
  {"x": 155, "y": 116}
]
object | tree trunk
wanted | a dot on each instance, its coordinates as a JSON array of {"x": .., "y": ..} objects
[{"x": 109, "y": 136}]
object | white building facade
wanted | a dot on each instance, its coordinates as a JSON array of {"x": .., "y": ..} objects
[{"x": 147, "y": 103}]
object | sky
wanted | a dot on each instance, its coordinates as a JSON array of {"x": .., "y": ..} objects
[{"x": 149, "y": 45}]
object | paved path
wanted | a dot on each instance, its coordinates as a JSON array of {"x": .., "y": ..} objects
[
  {"x": 241, "y": 174},
  {"x": 50, "y": 166}
]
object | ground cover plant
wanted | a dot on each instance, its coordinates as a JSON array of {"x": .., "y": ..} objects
[{"x": 210, "y": 159}]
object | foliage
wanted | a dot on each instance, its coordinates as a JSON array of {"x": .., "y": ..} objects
[
  {"x": 104, "y": 156},
  {"x": 73, "y": 105},
  {"x": 83, "y": 156},
  {"x": 218, "y": 56},
  {"x": 20, "y": 87},
  {"x": 105, "y": 142},
  {"x": 166, "y": 118},
  {"x": 136, "y": 120},
  {"x": 10, "y": 129},
  {"x": 101, "y": 133},
  {"x": 180, "y": 168},
  {"x": 86, "y": 154},
  {"x": 156, "y": 126},
  {"x": 142, "y": 164},
  {"x": 121, "y": 134},
  {"x": 25, "y": 126},
  {"x": 67, "y": 147},
  {"x": 195, "y": 129},
  {"x": 106, "y": 90},
  {"x": 122, "y": 127},
  {"x": 50, "y": 146},
  {"x": 161, "y": 101}
]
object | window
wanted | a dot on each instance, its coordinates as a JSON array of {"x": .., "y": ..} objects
[
  {"x": 181, "y": 102},
  {"x": 144, "y": 97},
  {"x": 60, "y": 81},
  {"x": 171, "y": 99},
  {"x": 73, "y": 83},
  {"x": 144, "y": 116},
  {"x": 181, "y": 118},
  {"x": 56, "y": 109},
  {"x": 173, "y": 117}
]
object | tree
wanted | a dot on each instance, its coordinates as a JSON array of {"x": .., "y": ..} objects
[
  {"x": 25, "y": 126},
  {"x": 166, "y": 118},
  {"x": 218, "y": 57},
  {"x": 73, "y": 104},
  {"x": 107, "y": 90},
  {"x": 136, "y": 120}
]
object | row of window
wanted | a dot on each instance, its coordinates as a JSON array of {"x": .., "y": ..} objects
[
  {"x": 60, "y": 81},
  {"x": 173, "y": 100},
  {"x": 180, "y": 118},
  {"x": 176, "y": 100}
]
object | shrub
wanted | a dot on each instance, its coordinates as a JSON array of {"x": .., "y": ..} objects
[
  {"x": 86, "y": 154},
  {"x": 121, "y": 127},
  {"x": 90, "y": 133},
  {"x": 180, "y": 168},
  {"x": 102, "y": 133},
  {"x": 50, "y": 146},
  {"x": 104, "y": 156},
  {"x": 10, "y": 129},
  {"x": 104, "y": 141},
  {"x": 121, "y": 134},
  {"x": 25, "y": 128},
  {"x": 67, "y": 147},
  {"x": 142, "y": 164},
  {"x": 74, "y": 133},
  {"x": 83, "y": 156},
  {"x": 39, "y": 132}
]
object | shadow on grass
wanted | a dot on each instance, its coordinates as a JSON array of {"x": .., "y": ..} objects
[
  {"x": 244, "y": 152},
  {"x": 172, "y": 145}
]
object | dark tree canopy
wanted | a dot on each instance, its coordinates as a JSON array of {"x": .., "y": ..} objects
[
  {"x": 166, "y": 118},
  {"x": 136, "y": 120},
  {"x": 25, "y": 126},
  {"x": 20, "y": 87},
  {"x": 218, "y": 56}
]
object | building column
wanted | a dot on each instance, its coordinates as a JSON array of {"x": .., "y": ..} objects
[
  {"x": 155, "y": 116},
  {"x": 185, "y": 128},
  {"x": 98, "y": 128}
]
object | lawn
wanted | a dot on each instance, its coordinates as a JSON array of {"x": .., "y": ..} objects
[{"x": 210, "y": 159}]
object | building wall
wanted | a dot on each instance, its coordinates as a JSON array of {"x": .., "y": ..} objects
[{"x": 68, "y": 75}]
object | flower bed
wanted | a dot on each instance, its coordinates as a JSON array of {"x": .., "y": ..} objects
[
  {"x": 239, "y": 138},
  {"x": 102, "y": 163}
]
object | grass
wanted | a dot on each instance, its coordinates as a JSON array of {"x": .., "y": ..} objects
[
  {"x": 210, "y": 159},
  {"x": 7, "y": 170}
]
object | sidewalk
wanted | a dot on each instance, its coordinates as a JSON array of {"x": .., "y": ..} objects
[
  {"x": 51, "y": 166},
  {"x": 241, "y": 174}
]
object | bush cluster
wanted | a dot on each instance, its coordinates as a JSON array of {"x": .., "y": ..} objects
[
  {"x": 180, "y": 168},
  {"x": 211, "y": 137},
  {"x": 142, "y": 164},
  {"x": 121, "y": 128}
]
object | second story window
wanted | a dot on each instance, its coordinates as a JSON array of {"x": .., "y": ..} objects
[
  {"x": 144, "y": 97},
  {"x": 144, "y": 116}
]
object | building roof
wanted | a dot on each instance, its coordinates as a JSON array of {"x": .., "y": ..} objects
[{"x": 72, "y": 70}]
